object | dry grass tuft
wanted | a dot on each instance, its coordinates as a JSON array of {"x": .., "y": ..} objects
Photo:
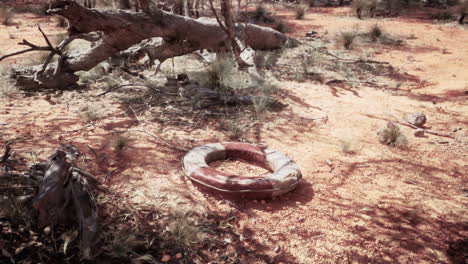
[
  {"x": 300, "y": 11},
  {"x": 346, "y": 39},
  {"x": 7, "y": 13}
]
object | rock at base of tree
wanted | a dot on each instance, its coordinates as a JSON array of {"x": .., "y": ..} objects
[{"x": 417, "y": 119}]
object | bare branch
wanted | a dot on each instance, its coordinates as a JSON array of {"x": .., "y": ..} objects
[
  {"x": 16, "y": 53},
  {"x": 47, "y": 41},
  {"x": 217, "y": 18}
]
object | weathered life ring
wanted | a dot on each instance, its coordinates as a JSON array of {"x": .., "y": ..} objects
[{"x": 286, "y": 173}]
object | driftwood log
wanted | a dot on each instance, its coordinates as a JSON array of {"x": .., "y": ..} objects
[
  {"x": 113, "y": 31},
  {"x": 65, "y": 197}
]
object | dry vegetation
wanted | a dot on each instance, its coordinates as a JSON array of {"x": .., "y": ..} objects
[{"x": 368, "y": 195}]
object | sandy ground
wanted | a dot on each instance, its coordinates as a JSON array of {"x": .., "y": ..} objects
[{"x": 374, "y": 205}]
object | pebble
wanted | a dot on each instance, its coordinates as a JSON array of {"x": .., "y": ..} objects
[
  {"x": 165, "y": 258},
  {"x": 47, "y": 230},
  {"x": 417, "y": 119},
  {"x": 419, "y": 132},
  {"x": 178, "y": 256}
]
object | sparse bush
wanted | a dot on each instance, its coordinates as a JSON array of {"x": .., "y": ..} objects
[
  {"x": 311, "y": 3},
  {"x": 91, "y": 113},
  {"x": 6, "y": 15},
  {"x": 346, "y": 39},
  {"x": 265, "y": 58},
  {"x": 375, "y": 32},
  {"x": 462, "y": 10},
  {"x": 183, "y": 231},
  {"x": 300, "y": 11},
  {"x": 235, "y": 128},
  {"x": 443, "y": 16},
  {"x": 121, "y": 142},
  {"x": 281, "y": 27},
  {"x": 262, "y": 103},
  {"x": 364, "y": 5},
  {"x": 392, "y": 136},
  {"x": 260, "y": 13},
  {"x": 216, "y": 75},
  {"x": 348, "y": 145},
  {"x": 7, "y": 87}
]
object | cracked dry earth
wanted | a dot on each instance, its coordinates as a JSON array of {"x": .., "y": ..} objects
[{"x": 373, "y": 204}]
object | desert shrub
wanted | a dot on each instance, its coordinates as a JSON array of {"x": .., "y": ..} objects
[
  {"x": 124, "y": 4},
  {"x": 346, "y": 39},
  {"x": 260, "y": 12},
  {"x": 311, "y": 3},
  {"x": 120, "y": 143},
  {"x": 391, "y": 135},
  {"x": 263, "y": 103},
  {"x": 217, "y": 73},
  {"x": 462, "y": 10},
  {"x": 91, "y": 113},
  {"x": 281, "y": 27},
  {"x": 300, "y": 11},
  {"x": 266, "y": 59},
  {"x": 364, "y": 5},
  {"x": 390, "y": 40},
  {"x": 347, "y": 146},
  {"x": 7, "y": 14},
  {"x": 375, "y": 32},
  {"x": 442, "y": 16},
  {"x": 7, "y": 87},
  {"x": 235, "y": 128},
  {"x": 183, "y": 232}
]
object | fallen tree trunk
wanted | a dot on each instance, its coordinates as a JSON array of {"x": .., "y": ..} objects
[{"x": 112, "y": 31}]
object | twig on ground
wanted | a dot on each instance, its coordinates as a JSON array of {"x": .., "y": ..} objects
[
  {"x": 113, "y": 89},
  {"x": 79, "y": 129},
  {"x": 6, "y": 154}
]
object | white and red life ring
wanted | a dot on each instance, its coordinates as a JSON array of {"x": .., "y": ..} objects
[{"x": 284, "y": 177}]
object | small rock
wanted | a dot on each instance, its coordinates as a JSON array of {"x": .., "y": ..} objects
[
  {"x": 178, "y": 256},
  {"x": 47, "y": 230},
  {"x": 263, "y": 201},
  {"x": 465, "y": 192},
  {"x": 165, "y": 258},
  {"x": 419, "y": 132},
  {"x": 277, "y": 249},
  {"x": 301, "y": 219},
  {"x": 455, "y": 129},
  {"x": 417, "y": 119}
]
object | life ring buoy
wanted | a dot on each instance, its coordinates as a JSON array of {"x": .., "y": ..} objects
[{"x": 285, "y": 174}]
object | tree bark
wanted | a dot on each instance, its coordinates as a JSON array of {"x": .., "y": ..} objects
[{"x": 118, "y": 30}]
